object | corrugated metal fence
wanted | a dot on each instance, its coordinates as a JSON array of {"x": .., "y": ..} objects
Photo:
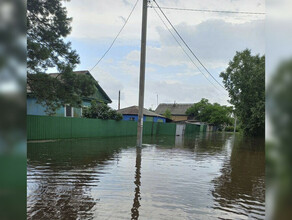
[{"x": 47, "y": 127}]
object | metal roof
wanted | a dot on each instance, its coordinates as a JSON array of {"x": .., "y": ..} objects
[
  {"x": 174, "y": 108},
  {"x": 133, "y": 110}
]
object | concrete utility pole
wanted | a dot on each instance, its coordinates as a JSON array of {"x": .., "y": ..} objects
[
  {"x": 119, "y": 102},
  {"x": 142, "y": 74},
  {"x": 157, "y": 100}
]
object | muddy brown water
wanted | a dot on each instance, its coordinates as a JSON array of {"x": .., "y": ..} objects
[{"x": 206, "y": 176}]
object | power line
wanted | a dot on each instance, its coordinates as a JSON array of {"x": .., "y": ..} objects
[
  {"x": 116, "y": 36},
  {"x": 182, "y": 47},
  {"x": 187, "y": 45},
  {"x": 212, "y": 11}
]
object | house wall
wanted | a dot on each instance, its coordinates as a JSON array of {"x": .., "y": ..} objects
[
  {"x": 128, "y": 117},
  {"x": 179, "y": 117},
  {"x": 86, "y": 103},
  {"x": 159, "y": 119},
  {"x": 33, "y": 108}
]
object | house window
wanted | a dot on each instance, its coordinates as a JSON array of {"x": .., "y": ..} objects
[
  {"x": 68, "y": 111},
  {"x": 132, "y": 118}
]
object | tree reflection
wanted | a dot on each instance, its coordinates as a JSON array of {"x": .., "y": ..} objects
[
  {"x": 241, "y": 185},
  {"x": 62, "y": 174},
  {"x": 137, "y": 198}
]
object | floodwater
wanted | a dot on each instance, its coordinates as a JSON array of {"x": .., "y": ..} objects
[{"x": 207, "y": 176}]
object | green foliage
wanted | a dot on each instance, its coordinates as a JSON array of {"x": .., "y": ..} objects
[
  {"x": 211, "y": 113},
  {"x": 167, "y": 114},
  {"x": 47, "y": 26},
  {"x": 245, "y": 81},
  {"x": 54, "y": 92},
  {"x": 231, "y": 129},
  {"x": 101, "y": 111},
  {"x": 278, "y": 150}
]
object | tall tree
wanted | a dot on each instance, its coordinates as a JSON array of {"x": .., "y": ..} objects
[
  {"x": 47, "y": 26},
  {"x": 245, "y": 81},
  {"x": 211, "y": 113}
]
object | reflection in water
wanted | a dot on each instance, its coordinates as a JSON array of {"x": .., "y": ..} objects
[
  {"x": 136, "y": 204},
  {"x": 62, "y": 174},
  {"x": 205, "y": 176},
  {"x": 240, "y": 188}
]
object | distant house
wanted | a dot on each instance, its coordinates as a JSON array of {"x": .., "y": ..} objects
[
  {"x": 131, "y": 114},
  {"x": 178, "y": 111},
  {"x": 33, "y": 108}
]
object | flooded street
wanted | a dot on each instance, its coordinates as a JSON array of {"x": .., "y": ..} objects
[{"x": 208, "y": 176}]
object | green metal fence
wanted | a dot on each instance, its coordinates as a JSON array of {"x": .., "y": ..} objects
[
  {"x": 192, "y": 129},
  {"x": 166, "y": 128},
  {"x": 47, "y": 127}
]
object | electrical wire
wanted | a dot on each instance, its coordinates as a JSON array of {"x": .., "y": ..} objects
[
  {"x": 187, "y": 45},
  {"x": 183, "y": 48},
  {"x": 212, "y": 11},
  {"x": 111, "y": 45}
]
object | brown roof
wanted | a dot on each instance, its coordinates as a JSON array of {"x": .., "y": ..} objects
[
  {"x": 133, "y": 110},
  {"x": 174, "y": 108}
]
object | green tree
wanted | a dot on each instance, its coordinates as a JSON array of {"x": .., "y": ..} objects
[
  {"x": 200, "y": 111},
  {"x": 279, "y": 109},
  {"x": 211, "y": 113},
  {"x": 220, "y": 115},
  {"x": 47, "y": 26},
  {"x": 244, "y": 79},
  {"x": 101, "y": 111},
  {"x": 167, "y": 114}
]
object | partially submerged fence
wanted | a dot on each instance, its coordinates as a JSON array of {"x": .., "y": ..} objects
[{"x": 47, "y": 127}]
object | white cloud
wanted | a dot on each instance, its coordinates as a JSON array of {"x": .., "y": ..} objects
[
  {"x": 213, "y": 37},
  {"x": 100, "y": 20},
  {"x": 214, "y": 42},
  {"x": 110, "y": 84},
  {"x": 170, "y": 91},
  {"x": 186, "y": 74}
]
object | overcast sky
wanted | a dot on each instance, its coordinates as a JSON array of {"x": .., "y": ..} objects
[{"x": 213, "y": 37}]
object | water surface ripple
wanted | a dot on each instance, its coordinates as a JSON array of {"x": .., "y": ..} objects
[{"x": 206, "y": 176}]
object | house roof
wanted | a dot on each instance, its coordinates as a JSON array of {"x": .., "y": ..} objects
[
  {"x": 174, "y": 108},
  {"x": 83, "y": 72},
  {"x": 133, "y": 110}
]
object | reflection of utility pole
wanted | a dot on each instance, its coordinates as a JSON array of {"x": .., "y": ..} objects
[
  {"x": 137, "y": 198},
  {"x": 119, "y": 105},
  {"x": 142, "y": 74},
  {"x": 235, "y": 119}
]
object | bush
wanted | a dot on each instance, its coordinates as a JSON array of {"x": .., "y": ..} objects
[
  {"x": 101, "y": 111},
  {"x": 231, "y": 129}
]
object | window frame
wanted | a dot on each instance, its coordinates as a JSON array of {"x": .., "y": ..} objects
[{"x": 65, "y": 111}]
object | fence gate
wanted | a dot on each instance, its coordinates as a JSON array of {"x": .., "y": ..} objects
[{"x": 180, "y": 129}]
